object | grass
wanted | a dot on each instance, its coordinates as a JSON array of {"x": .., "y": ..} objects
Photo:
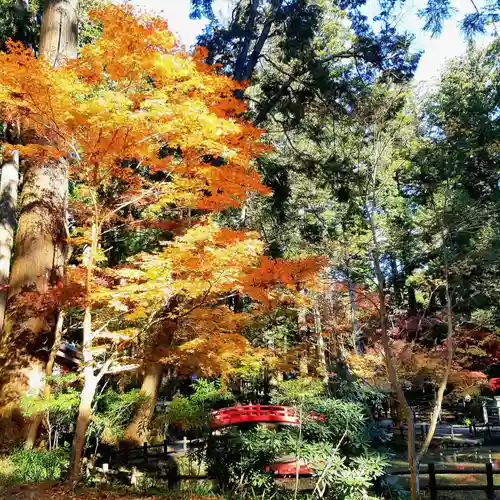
[{"x": 6, "y": 470}]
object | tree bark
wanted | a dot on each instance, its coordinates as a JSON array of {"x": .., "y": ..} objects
[
  {"x": 137, "y": 431},
  {"x": 355, "y": 325},
  {"x": 303, "y": 340},
  {"x": 239, "y": 67},
  {"x": 59, "y": 31},
  {"x": 89, "y": 379},
  {"x": 41, "y": 240},
  {"x": 82, "y": 424},
  {"x": 259, "y": 45},
  {"x": 9, "y": 182},
  {"x": 391, "y": 371},
  {"x": 37, "y": 419},
  {"x": 449, "y": 358},
  {"x": 323, "y": 368},
  {"x": 36, "y": 270}
]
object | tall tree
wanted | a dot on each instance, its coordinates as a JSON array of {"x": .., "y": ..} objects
[
  {"x": 9, "y": 181},
  {"x": 295, "y": 47},
  {"x": 41, "y": 238}
]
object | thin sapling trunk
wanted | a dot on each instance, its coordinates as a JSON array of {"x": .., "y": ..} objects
[
  {"x": 391, "y": 370},
  {"x": 90, "y": 380},
  {"x": 449, "y": 350}
]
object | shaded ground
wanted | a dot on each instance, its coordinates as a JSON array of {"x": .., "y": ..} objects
[{"x": 47, "y": 491}]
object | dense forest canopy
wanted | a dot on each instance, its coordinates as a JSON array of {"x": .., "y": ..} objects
[{"x": 277, "y": 216}]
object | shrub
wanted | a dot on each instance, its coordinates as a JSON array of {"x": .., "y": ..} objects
[
  {"x": 240, "y": 457},
  {"x": 192, "y": 412},
  {"x": 35, "y": 466},
  {"x": 113, "y": 410},
  {"x": 59, "y": 408}
]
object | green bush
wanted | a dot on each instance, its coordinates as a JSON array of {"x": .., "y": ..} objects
[
  {"x": 238, "y": 460},
  {"x": 339, "y": 448},
  {"x": 113, "y": 411},
  {"x": 30, "y": 466},
  {"x": 192, "y": 412},
  {"x": 59, "y": 409}
]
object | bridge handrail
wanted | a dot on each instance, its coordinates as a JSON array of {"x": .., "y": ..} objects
[{"x": 257, "y": 413}]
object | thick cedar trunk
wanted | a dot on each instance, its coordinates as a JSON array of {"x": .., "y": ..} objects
[
  {"x": 33, "y": 432},
  {"x": 9, "y": 180},
  {"x": 59, "y": 31},
  {"x": 37, "y": 267},
  {"x": 137, "y": 431},
  {"x": 40, "y": 245}
]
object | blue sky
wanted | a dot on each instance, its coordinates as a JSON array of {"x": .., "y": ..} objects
[{"x": 436, "y": 50}]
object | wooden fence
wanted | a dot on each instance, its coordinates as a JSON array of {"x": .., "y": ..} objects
[
  {"x": 480, "y": 433},
  {"x": 434, "y": 487},
  {"x": 148, "y": 452}
]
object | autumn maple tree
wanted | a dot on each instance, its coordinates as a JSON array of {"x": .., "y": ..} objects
[{"x": 132, "y": 106}]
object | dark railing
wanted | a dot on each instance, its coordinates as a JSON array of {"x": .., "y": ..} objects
[
  {"x": 150, "y": 453},
  {"x": 143, "y": 454},
  {"x": 434, "y": 487}
]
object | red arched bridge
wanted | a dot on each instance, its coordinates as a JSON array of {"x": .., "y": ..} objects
[
  {"x": 258, "y": 413},
  {"x": 267, "y": 414},
  {"x": 233, "y": 416}
]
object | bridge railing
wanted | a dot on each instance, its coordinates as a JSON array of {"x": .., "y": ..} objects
[{"x": 257, "y": 413}]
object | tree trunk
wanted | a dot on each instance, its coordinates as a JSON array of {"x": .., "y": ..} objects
[
  {"x": 36, "y": 270},
  {"x": 412, "y": 301},
  {"x": 40, "y": 247},
  {"x": 449, "y": 359},
  {"x": 239, "y": 67},
  {"x": 303, "y": 340},
  {"x": 59, "y": 31},
  {"x": 9, "y": 181},
  {"x": 358, "y": 349},
  {"x": 37, "y": 419},
  {"x": 323, "y": 368},
  {"x": 261, "y": 40},
  {"x": 138, "y": 429},
  {"x": 82, "y": 424},
  {"x": 89, "y": 379},
  {"x": 391, "y": 371}
]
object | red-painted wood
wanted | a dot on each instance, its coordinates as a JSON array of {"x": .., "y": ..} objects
[
  {"x": 290, "y": 469},
  {"x": 494, "y": 384},
  {"x": 257, "y": 413}
]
